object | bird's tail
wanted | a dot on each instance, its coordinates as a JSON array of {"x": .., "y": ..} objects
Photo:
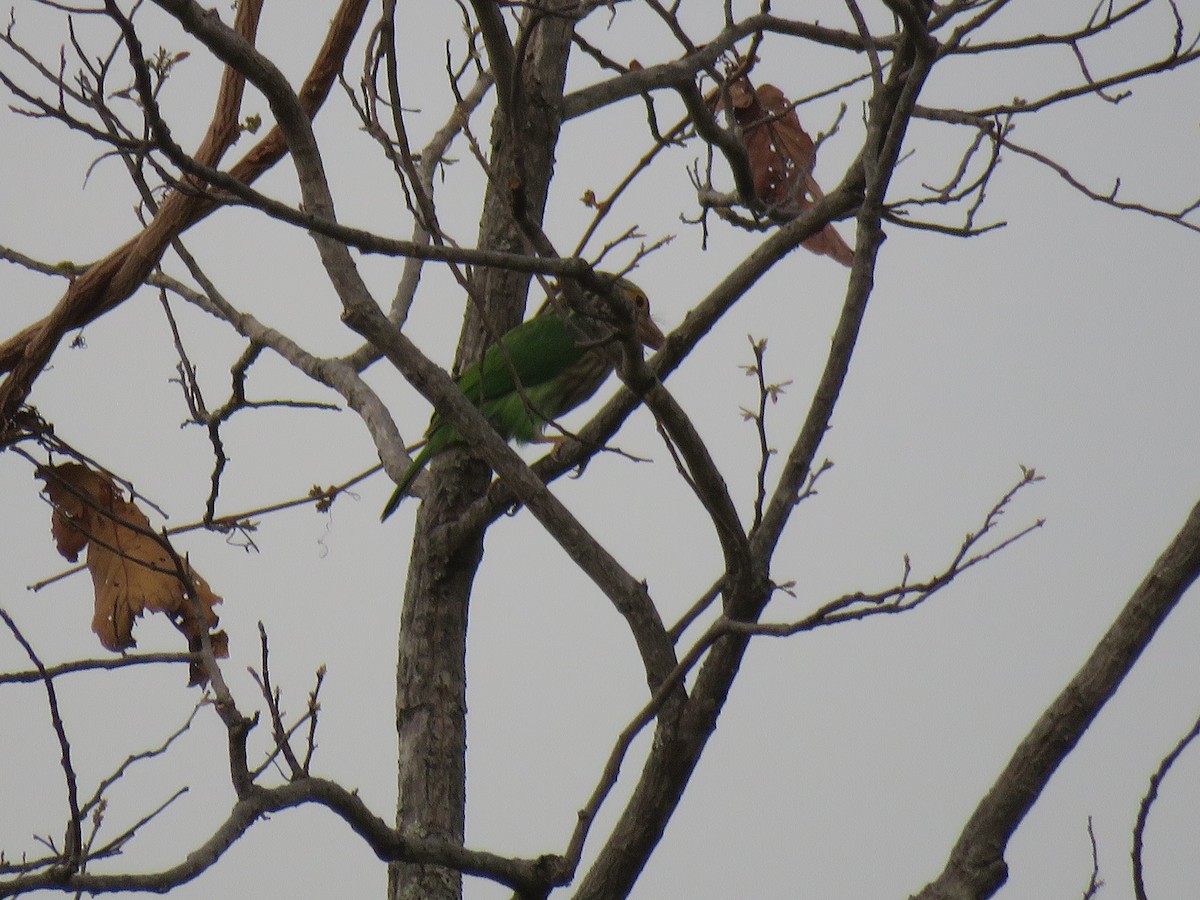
[{"x": 414, "y": 469}]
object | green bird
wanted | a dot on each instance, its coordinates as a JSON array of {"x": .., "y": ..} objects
[{"x": 557, "y": 362}]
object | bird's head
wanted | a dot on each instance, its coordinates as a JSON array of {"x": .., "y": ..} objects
[
  {"x": 648, "y": 333},
  {"x": 599, "y": 311}
]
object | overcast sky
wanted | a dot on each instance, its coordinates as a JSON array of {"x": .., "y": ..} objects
[{"x": 847, "y": 760}]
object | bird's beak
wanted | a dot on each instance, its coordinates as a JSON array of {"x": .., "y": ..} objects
[{"x": 649, "y": 333}]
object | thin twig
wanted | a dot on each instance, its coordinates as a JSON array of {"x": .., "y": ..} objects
[
  {"x": 1143, "y": 816},
  {"x": 71, "y": 858}
]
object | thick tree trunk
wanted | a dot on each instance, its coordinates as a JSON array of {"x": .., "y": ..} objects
[{"x": 431, "y": 673}]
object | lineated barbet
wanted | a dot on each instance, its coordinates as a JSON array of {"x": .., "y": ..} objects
[{"x": 559, "y": 361}]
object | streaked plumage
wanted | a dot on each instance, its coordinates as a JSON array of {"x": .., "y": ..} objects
[{"x": 557, "y": 368}]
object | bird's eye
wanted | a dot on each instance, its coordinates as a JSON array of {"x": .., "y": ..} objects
[{"x": 640, "y": 301}]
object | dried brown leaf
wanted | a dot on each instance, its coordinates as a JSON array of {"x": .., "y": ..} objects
[
  {"x": 780, "y": 153},
  {"x": 132, "y": 572}
]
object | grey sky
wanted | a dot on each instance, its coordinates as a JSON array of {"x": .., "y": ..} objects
[{"x": 848, "y": 759}]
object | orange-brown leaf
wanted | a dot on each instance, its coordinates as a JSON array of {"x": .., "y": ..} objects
[
  {"x": 789, "y": 142},
  {"x": 779, "y": 149},
  {"x": 69, "y": 507},
  {"x": 132, "y": 572},
  {"x": 780, "y": 153}
]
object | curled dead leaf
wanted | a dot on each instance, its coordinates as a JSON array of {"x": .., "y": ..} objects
[
  {"x": 781, "y": 156},
  {"x": 132, "y": 571}
]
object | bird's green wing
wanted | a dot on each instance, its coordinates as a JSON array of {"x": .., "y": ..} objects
[
  {"x": 537, "y": 350},
  {"x": 556, "y": 369}
]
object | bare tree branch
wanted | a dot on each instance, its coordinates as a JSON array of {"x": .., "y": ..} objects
[
  {"x": 71, "y": 858},
  {"x": 976, "y": 867},
  {"x": 110, "y": 281}
]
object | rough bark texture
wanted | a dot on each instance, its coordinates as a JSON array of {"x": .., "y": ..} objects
[{"x": 431, "y": 675}]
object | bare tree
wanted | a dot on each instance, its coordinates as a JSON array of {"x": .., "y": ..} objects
[{"x": 705, "y": 86}]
